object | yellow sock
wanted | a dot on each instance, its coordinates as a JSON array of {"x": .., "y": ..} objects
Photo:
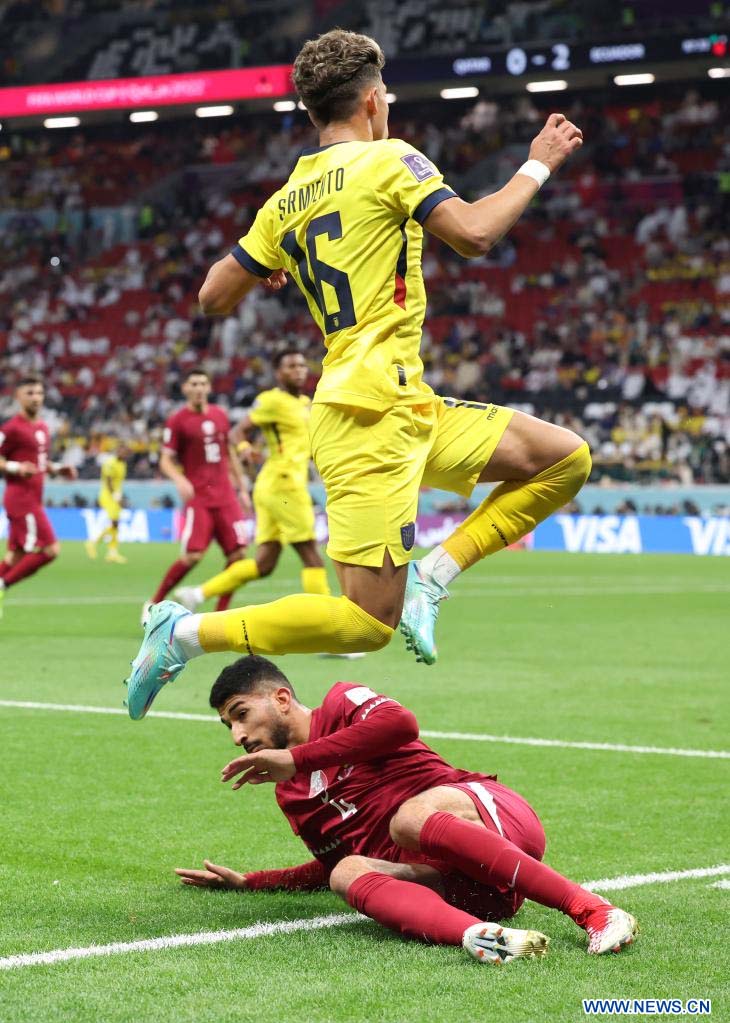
[
  {"x": 240, "y": 572},
  {"x": 514, "y": 509},
  {"x": 314, "y": 580},
  {"x": 299, "y": 624},
  {"x": 113, "y": 534}
]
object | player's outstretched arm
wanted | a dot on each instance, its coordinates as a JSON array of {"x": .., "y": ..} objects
[
  {"x": 306, "y": 877},
  {"x": 472, "y": 229},
  {"x": 228, "y": 283},
  {"x": 214, "y": 876}
]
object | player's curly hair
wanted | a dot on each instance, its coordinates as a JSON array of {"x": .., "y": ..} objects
[{"x": 331, "y": 71}]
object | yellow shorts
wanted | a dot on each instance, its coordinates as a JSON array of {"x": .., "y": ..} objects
[
  {"x": 111, "y": 507},
  {"x": 373, "y": 464},
  {"x": 284, "y": 512}
]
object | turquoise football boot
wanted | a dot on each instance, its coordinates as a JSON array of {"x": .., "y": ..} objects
[
  {"x": 420, "y": 611},
  {"x": 160, "y": 658}
]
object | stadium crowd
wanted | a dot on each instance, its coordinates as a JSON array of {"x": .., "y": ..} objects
[{"x": 607, "y": 309}]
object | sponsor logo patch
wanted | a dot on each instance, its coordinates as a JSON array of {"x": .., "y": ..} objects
[{"x": 419, "y": 166}]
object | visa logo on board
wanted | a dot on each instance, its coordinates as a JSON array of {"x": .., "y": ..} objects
[
  {"x": 601, "y": 534},
  {"x": 709, "y": 536}
]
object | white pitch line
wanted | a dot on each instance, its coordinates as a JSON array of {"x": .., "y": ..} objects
[
  {"x": 617, "y": 884},
  {"x": 610, "y": 747},
  {"x": 259, "y": 930},
  {"x": 85, "y": 709},
  {"x": 511, "y": 740},
  {"x": 262, "y": 930}
]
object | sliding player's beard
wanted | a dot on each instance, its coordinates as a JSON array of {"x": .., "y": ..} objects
[{"x": 278, "y": 737}]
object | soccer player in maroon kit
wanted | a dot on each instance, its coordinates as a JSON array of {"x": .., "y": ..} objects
[
  {"x": 24, "y": 461},
  {"x": 200, "y": 460},
  {"x": 422, "y": 847}
]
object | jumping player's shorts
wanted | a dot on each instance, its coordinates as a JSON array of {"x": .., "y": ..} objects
[
  {"x": 373, "y": 464},
  {"x": 202, "y": 524},
  {"x": 111, "y": 507},
  {"x": 29, "y": 531},
  {"x": 284, "y": 511}
]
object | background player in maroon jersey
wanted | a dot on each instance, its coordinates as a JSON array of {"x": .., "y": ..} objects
[
  {"x": 422, "y": 847},
  {"x": 24, "y": 461},
  {"x": 200, "y": 460}
]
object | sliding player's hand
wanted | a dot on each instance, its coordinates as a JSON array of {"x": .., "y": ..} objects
[
  {"x": 276, "y": 281},
  {"x": 556, "y": 142},
  {"x": 213, "y": 876},
  {"x": 257, "y": 768}
]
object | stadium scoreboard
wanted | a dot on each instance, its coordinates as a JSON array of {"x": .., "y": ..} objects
[{"x": 559, "y": 56}]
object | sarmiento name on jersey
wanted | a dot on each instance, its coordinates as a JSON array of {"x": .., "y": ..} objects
[{"x": 300, "y": 198}]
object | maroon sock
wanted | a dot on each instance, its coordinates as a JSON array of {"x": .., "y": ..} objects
[
  {"x": 177, "y": 571},
  {"x": 412, "y": 909},
  {"x": 224, "y": 602},
  {"x": 493, "y": 860},
  {"x": 27, "y": 565}
]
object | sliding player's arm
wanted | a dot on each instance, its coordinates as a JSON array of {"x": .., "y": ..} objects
[
  {"x": 305, "y": 877},
  {"x": 379, "y": 726},
  {"x": 472, "y": 229},
  {"x": 253, "y": 260}
]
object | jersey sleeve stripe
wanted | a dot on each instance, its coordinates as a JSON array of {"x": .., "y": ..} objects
[
  {"x": 431, "y": 202},
  {"x": 249, "y": 263}
]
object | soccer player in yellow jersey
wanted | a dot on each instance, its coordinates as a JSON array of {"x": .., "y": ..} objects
[
  {"x": 284, "y": 509},
  {"x": 113, "y": 475},
  {"x": 348, "y": 227}
]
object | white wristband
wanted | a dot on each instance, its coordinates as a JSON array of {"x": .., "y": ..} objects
[
  {"x": 536, "y": 170},
  {"x": 12, "y": 467}
]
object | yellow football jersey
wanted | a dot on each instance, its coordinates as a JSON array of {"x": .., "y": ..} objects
[
  {"x": 347, "y": 227},
  {"x": 284, "y": 422},
  {"x": 113, "y": 474}
]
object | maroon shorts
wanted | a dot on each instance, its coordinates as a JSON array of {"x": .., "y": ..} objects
[
  {"x": 202, "y": 524},
  {"x": 507, "y": 813},
  {"x": 29, "y": 531}
]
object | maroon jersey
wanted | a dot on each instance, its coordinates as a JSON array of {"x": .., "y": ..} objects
[
  {"x": 346, "y": 808},
  {"x": 200, "y": 442},
  {"x": 24, "y": 441}
]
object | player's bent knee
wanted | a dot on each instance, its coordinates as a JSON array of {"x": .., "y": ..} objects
[
  {"x": 192, "y": 558},
  {"x": 347, "y": 871},
  {"x": 53, "y": 550},
  {"x": 405, "y": 826}
]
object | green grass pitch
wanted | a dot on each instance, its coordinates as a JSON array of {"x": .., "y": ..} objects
[{"x": 95, "y": 811}]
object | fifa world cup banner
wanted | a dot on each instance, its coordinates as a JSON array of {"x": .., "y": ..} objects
[{"x": 634, "y": 534}]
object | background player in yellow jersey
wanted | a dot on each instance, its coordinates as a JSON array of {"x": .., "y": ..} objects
[
  {"x": 283, "y": 506},
  {"x": 348, "y": 226},
  {"x": 113, "y": 475}
]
